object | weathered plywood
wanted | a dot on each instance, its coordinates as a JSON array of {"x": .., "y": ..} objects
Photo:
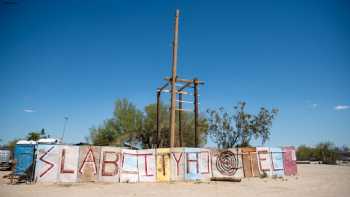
[
  {"x": 68, "y": 163},
  {"x": 277, "y": 162},
  {"x": 289, "y": 158},
  {"x": 46, "y": 169},
  {"x": 163, "y": 164},
  {"x": 177, "y": 164},
  {"x": 110, "y": 164},
  {"x": 227, "y": 163},
  {"x": 147, "y": 165},
  {"x": 192, "y": 164},
  {"x": 205, "y": 164},
  {"x": 89, "y": 158},
  {"x": 250, "y": 162},
  {"x": 264, "y": 160},
  {"x": 129, "y": 172}
]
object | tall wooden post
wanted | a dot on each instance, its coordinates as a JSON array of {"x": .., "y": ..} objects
[
  {"x": 195, "y": 86},
  {"x": 158, "y": 119},
  {"x": 173, "y": 82},
  {"x": 180, "y": 123}
]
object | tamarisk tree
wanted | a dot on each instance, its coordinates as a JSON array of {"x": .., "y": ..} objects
[{"x": 229, "y": 130}]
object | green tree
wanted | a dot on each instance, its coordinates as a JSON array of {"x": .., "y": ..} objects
[
  {"x": 125, "y": 125},
  {"x": 187, "y": 125},
  {"x": 326, "y": 152},
  {"x": 106, "y": 134},
  {"x": 11, "y": 146},
  {"x": 35, "y": 136},
  {"x": 304, "y": 153},
  {"x": 139, "y": 128},
  {"x": 228, "y": 130},
  {"x": 148, "y": 136}
]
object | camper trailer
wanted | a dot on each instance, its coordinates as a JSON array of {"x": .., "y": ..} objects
[{"x": 5, "y": 162}]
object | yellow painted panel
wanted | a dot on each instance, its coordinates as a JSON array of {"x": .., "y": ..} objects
[{"x": 163, "y": 164}]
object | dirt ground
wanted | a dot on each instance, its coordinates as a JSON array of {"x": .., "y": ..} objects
[{"x": 313, "y": 180}]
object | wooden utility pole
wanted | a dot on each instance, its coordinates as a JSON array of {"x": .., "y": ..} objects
[
  {"x": 173, "y": 82},
  {"x": 180, "y": 120},
  {"x": 174, "y": 91},
  {"x": 195, "y": 86},
  {"x": 158, "y": 119}
]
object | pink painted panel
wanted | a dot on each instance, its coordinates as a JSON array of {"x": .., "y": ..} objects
[{"x": 289, "y": 161}]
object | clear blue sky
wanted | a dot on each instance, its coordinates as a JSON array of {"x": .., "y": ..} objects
[{"x": 63, "y": 58}]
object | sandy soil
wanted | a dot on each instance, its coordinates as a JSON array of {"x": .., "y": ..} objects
[{"x": 313, "y": 180}]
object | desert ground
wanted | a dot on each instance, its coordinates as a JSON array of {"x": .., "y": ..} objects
[{"x": 312, "y": 180}]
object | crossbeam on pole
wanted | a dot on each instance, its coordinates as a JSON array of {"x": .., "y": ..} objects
[
  {"x": 189, "y": 110},
  {"x": 181, "y": 101},
  {"x": 177, "y": 92},
  {"x": 183, "y": 80},
  {"x": 164, "y": 86}
]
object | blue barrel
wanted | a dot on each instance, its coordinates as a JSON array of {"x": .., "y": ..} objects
[{"x": 24, "y": 156}]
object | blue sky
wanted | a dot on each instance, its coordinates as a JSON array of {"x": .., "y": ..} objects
[{"x": 63, "y": 58}]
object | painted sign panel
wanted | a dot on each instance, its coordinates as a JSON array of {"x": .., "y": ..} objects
[
  {"x": 68, "y": 163},
  {"x": 205, "y": 164},
  {"x": 110, "y": 164},
  {"x": 46, "y": 169},
  {"x": 264, "y": 160},
  {"x": 63, "y": 163},
  {"x": 227, "y": 163},
  {"x": 277, "y": 162},
  {"x": 192, "y": 164},
  {"x": 24, "y": 156},
  {"x": 289, "y": 161},
  {"x": 89, "y": 158},
  {"x": 129, "y": 172},
  {"x": 177, "y": 164},
  {"x": 250, "y": 162},
  {"x": 147, "y": 165},
  {"x": 163, "y": 164}
]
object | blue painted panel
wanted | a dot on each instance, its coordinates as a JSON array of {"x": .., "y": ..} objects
[
  {"x": 192, "y": 164},
  {"x": 24, "y": 156},
  {"x": 277, "y": 161}
]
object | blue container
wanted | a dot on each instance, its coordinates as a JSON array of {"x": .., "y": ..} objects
[{"x": 24, "y": 156}]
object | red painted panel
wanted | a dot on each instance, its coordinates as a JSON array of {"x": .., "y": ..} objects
[{"x": 289, "y": 161}]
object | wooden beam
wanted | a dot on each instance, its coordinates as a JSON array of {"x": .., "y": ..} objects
[
  {"x": 229, "y": 179},
  {"x": 183, "y": 80},
  {"x": 164, "y": 86},
  {"x": 185, "y": 86}
]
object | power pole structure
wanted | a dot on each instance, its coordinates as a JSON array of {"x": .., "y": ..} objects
[
  {"x": 181, "y": 91},
  {"x": 173, "y": 82},
  {"x": 180, "y": 118},
  {"x": 158, "y": 119},
  {"x": 195, "y": 86}
]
